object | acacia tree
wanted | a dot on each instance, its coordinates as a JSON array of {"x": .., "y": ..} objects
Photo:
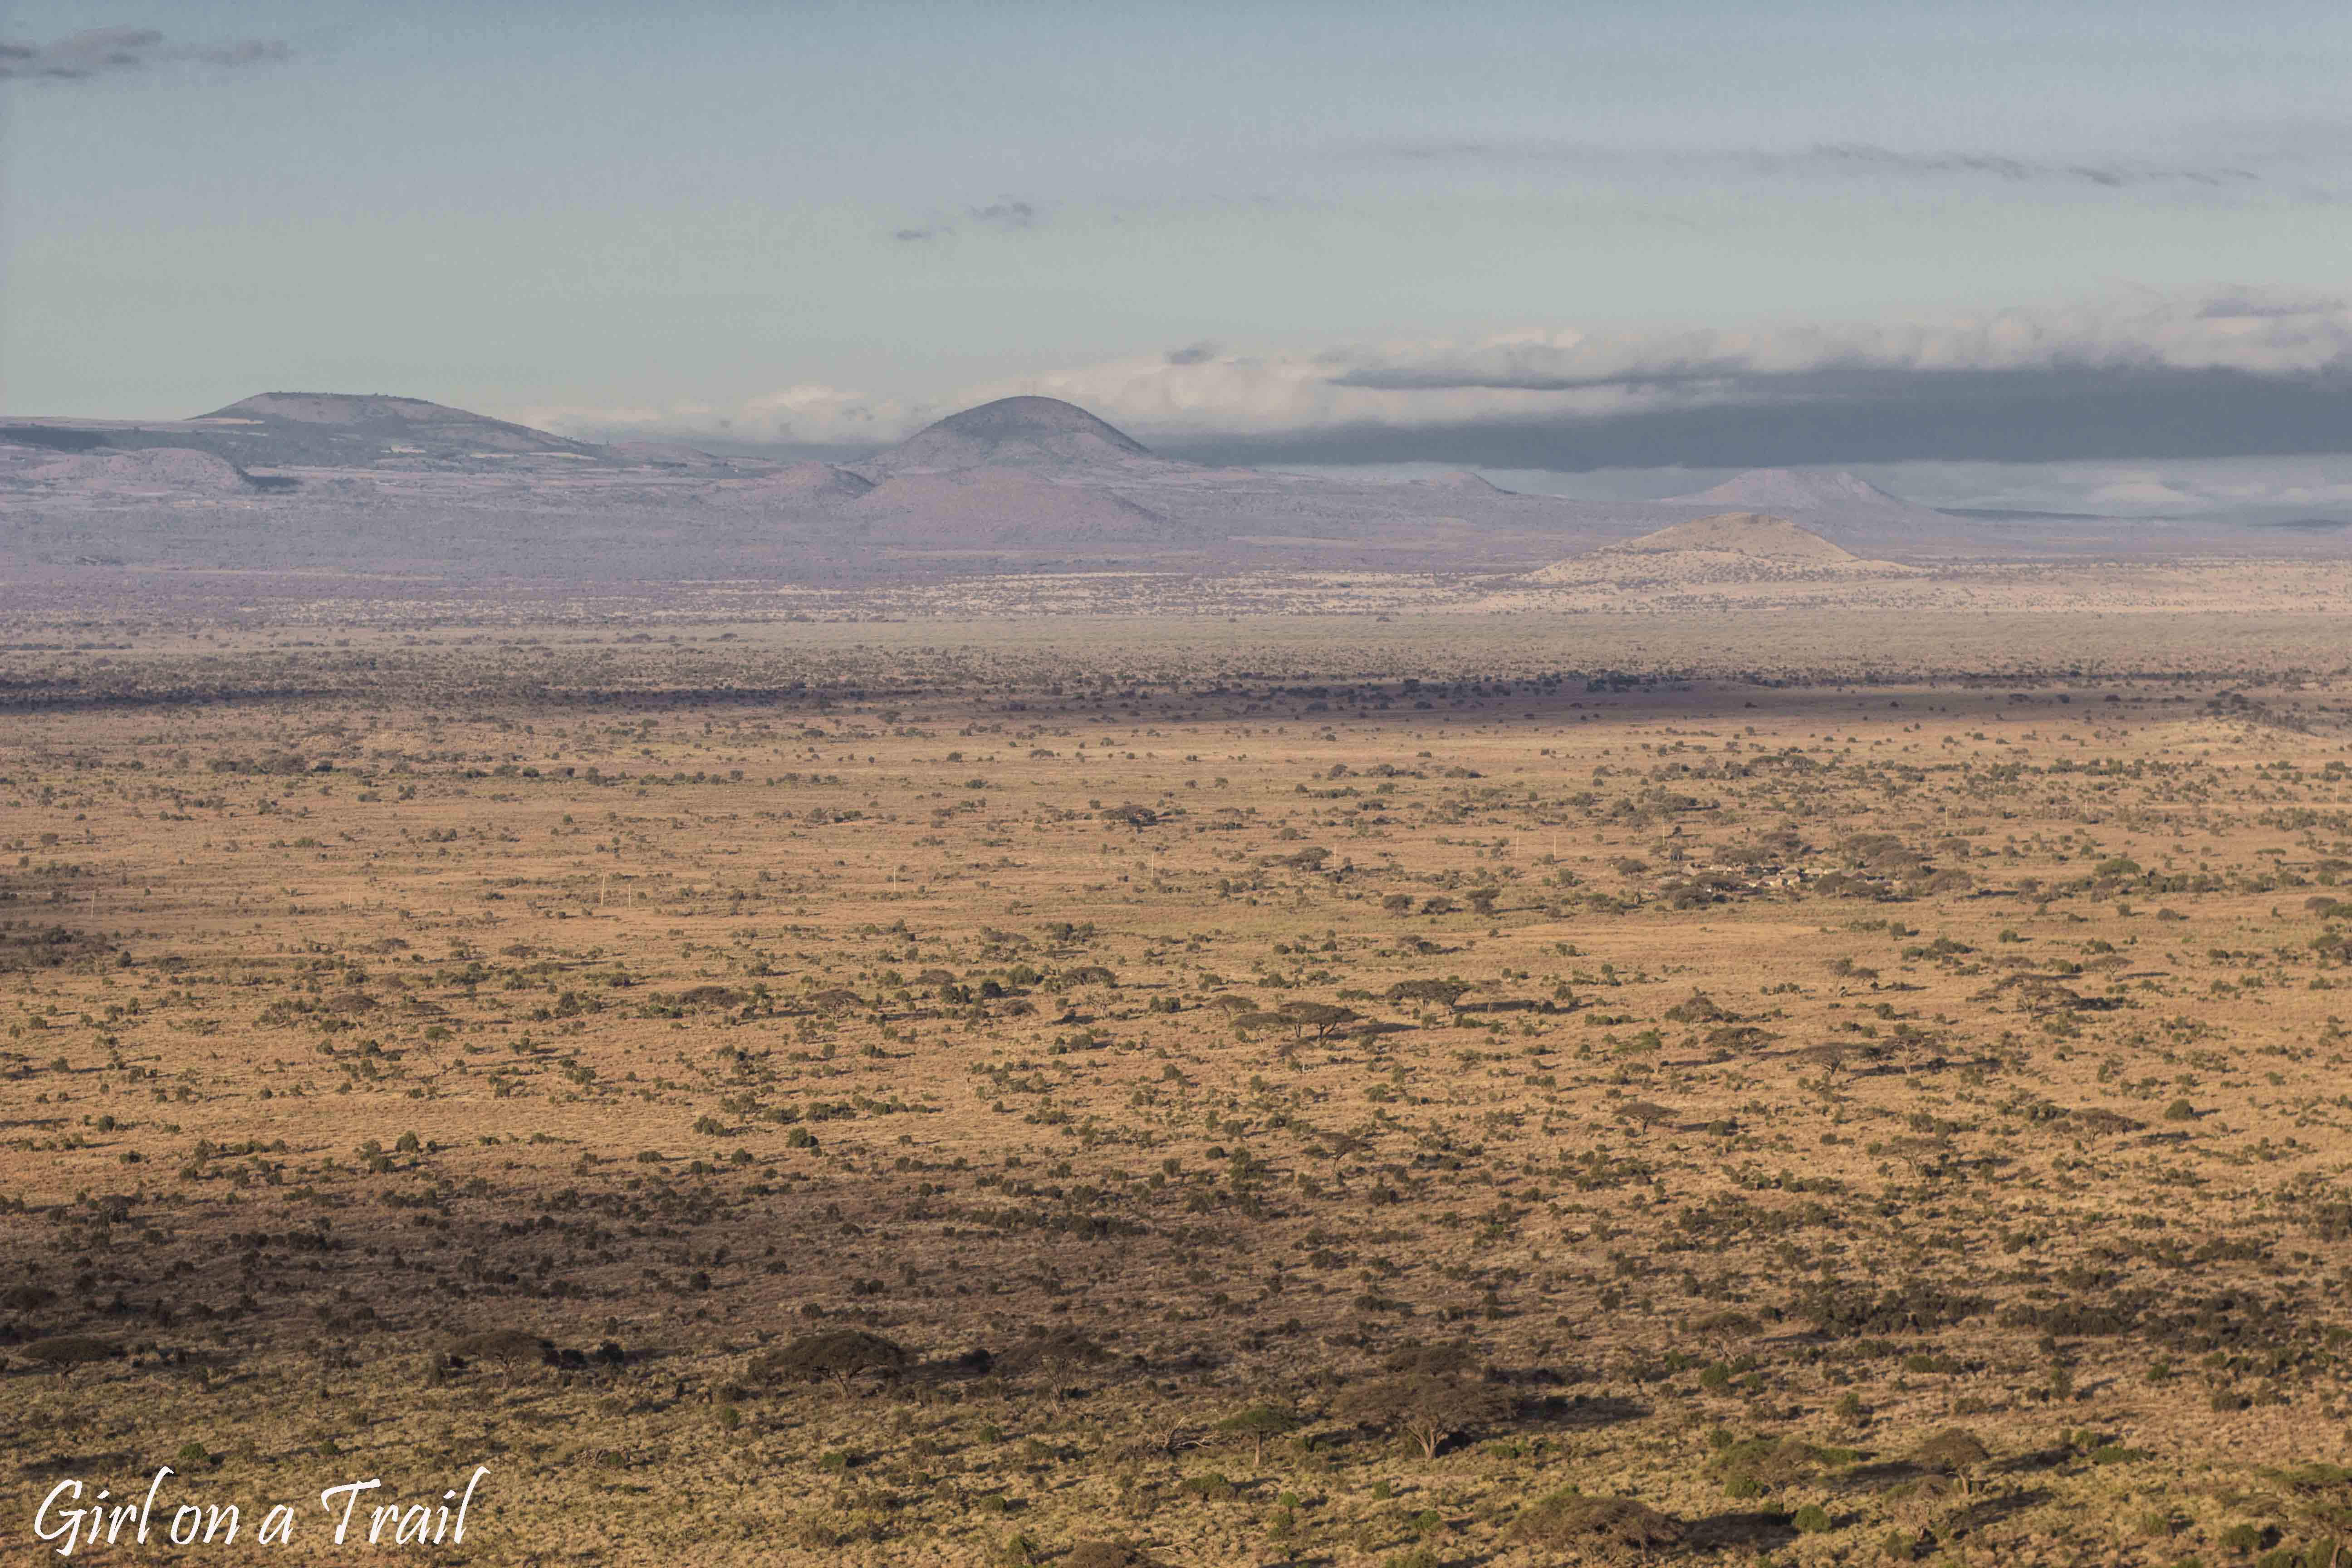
[
  {"x": 1258, "y": 1423},
  {"x": 1425, "y": 1407},
  {"x": 511, "y": 1350},
  {"x": 1598, "y": 1529},
  {"x": 63, "y": 1352},
  {"x": 1446, "y": 993},
  {"x": 1955, "y": 1451},
  {"x": 1061, "y": 1354},
  {"x": 1320, "y": 1016},
  {"x": 840, "y": 1355}
]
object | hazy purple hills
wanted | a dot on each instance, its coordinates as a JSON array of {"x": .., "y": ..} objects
[
  {"x": 340, "y": 482},
  {"x": 1037, "y": 432}
]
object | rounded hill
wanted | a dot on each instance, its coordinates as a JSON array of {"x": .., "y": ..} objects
[{"x": 1017, "y": 433}]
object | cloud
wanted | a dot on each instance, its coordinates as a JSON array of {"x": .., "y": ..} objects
[
  {"x": 114, "y": 51},
  {"x": 2237, "y": 306},
  {"x": 2028, "y": 418},
  {"x": 246, "y": 52},
  {"x": 1006, "y": 214},
  {"x": 1864, "y": 156},
  {"x": 2121, "y": 380},
  {"x": 2266, "y": 489},
  {"x": 2239, "y": 332},
  {"x": 1831, "y": 159},
  {"x": 2141, "y": 376}
]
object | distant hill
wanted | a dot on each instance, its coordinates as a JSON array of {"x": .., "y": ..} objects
[
  {"x": 1027, "y": 475},
  {"x": 1795, "y": 489},
  {"x": 333, "y": 430},
  {"x": 1741, "y": 534},
  {"x": 310, "y": 427},
  {"x": 1035, "y": 433},
  {"x": 351, "y": 482},
  {"x": 1841, "y": 507},
  {"x": 1729, "y": 547},
  {"x": 156, "y": 471}
]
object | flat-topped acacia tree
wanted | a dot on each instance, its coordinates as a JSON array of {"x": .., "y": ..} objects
[
  {"x": 1446, "y": 993},
  {"x": 839, "y": 1355},
  {"x": 1427, "y": 1407},
  {"x": 1258, "y": 1423}
]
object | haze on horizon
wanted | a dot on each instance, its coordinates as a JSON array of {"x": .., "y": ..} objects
[{"x": 2072, "y": 254}]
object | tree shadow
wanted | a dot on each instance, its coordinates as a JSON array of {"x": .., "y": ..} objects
[
  {"x": 1756, "y": 1530},
  {"x": 73, "y": 1464},
  {"x": 1580, "y": 1411},
  {"x": 1990, "y": 1510},
  {"x": 1879, "y": 1473},
  {"x": 2032, "y": 1463}
]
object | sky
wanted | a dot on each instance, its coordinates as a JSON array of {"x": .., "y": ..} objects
[{"x": 1622, "y": 234}]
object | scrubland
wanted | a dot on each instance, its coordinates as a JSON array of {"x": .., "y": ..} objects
[{"x": 1414, "y": 1093}]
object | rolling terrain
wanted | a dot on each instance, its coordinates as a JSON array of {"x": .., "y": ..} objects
[{"x": 365, "y": 486}]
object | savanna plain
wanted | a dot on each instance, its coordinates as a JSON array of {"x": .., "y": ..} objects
[{"x": 1845, "y": 1086}]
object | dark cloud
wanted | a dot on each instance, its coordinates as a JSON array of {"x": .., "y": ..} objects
[
  {"x": 1194, "y": 353},
  {"x": 114, "y": 51},
  {"x": 1006, "y": 214},
  {"x": 1828, "y": 417},
  {"x": 917, "y": 236}
]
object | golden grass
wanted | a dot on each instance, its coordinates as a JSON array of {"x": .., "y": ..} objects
[{"x": 360, "y": 1038}]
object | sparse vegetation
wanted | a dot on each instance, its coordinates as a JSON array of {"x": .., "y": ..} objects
[{"x": 1316, "y": 1134}]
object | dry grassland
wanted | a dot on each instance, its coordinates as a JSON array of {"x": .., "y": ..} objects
[{"x": 1218, "y": 1092}]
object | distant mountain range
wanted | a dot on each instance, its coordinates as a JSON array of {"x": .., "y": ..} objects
[{"x": 333, "y": 481}]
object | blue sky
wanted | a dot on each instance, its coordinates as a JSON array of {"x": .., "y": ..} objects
[{"x": 1291, "y": 231}]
